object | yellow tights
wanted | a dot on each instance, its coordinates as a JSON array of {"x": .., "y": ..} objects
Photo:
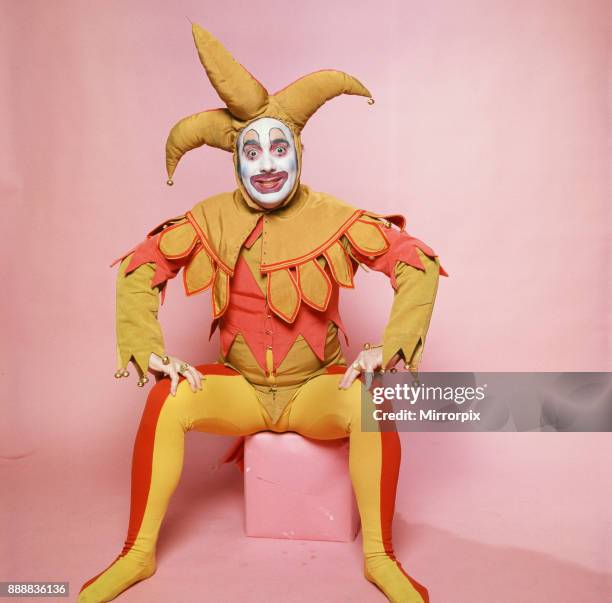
[{"x": 227, "y": 405}]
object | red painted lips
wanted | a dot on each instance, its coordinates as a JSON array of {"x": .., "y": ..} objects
[{"x": 269, "y": 183}]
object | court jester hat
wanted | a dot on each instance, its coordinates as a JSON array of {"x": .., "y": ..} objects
[{"x": 246, "y": 100}]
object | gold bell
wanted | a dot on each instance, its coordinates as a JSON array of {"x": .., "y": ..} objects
[
  {"x": 371, "y": 101},
  {"x": 366, "y": 346},
  {"x": 125, "y": 373},
  {"x": 170, "y": 182},
  {"x": 165, "y": 360},
  {"x": 394, "y": 370},
  {"x": 118, "y": 374}
]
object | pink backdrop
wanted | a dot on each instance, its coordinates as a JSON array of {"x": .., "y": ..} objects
[{"x": 491, "y": 132}]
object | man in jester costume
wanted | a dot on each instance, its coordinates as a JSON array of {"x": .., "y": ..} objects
[{"x": 275, "y": 254}]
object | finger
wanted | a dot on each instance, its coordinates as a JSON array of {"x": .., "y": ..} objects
[
  {"x": 197, "y": 376},
  {"x": 201, "y": 375},
  {"x": 174, "y": 381},
  {"x": 191, "y": 380},
  {"x": 344, "y": 377},
  {"x": 369, "y": 375},
  {"x": 353, "y": 373}
]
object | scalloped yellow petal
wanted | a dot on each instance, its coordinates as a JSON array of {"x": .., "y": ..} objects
[
  {"x": 367, "y": 238},
  {"x": 199, "y": 273},
  {"x": 340, "y": 264},
  {"x": 315, "y": 286},
  {"x": 283, "y": 294},
  {"x": 177, "y": 241}
]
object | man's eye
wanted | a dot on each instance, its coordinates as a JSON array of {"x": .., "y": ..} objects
[
  {"x": 280, "y": 150},
  {"x": 252, "y": 154}
]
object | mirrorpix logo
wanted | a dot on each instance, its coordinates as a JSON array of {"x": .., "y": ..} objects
[{"x": 431, "y": 398}]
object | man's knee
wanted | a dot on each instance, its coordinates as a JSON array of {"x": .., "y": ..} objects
[{"x": 160, "y": 398}]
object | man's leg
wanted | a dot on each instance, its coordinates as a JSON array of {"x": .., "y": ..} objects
[
  {"x": 322, "y": 411},
  {"x": 226, "y": 405}
]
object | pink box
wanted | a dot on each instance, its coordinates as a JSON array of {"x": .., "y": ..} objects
[{"x": 298, "y": 488}]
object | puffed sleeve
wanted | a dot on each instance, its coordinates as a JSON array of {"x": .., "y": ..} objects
[{"x": 414, "y": 270}]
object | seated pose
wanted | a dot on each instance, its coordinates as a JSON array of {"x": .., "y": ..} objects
[{"x": 275, "y": 254}]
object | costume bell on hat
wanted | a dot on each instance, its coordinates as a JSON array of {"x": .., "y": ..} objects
[{"x": 275, "y": 274}]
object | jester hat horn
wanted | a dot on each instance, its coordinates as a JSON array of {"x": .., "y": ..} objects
[{"x": 246, "y": 99}]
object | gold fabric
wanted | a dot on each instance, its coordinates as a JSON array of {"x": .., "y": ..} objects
[
  {"x": 138, "y": 330},
  {"x": 178, "y": 240},
  {"x": 314, "y": 284},
  {"x": 413, "y": 304},
  {"x": 199, "y": 273},
  {"x": 299, "y": 365},
  {"x": 366, "y": 236},
  {"x": 246, "y": 99},
  {"x": 283, "y": 294},
  {"x": 310, "y": 229},
  {"x": 223, "y": 223},
  {"x": 340, "y": 265},
  {"x": 243, "y": 95},
  {"x": 292, "y": 234}
]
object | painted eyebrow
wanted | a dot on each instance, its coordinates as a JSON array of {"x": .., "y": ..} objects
[
  {"x": 277, "y": 140},
  {"x": 252, "y": 137},
  {"x": 253, "y": 141}
]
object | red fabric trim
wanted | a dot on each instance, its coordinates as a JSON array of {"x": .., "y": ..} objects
[
  {"x": 402, "y": 248},
  {"x": 313, "y": 254},
  {"x": 148, "y": 252}
]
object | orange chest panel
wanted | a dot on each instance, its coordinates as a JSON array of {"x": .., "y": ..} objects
[{"x": 249, "y": 314}]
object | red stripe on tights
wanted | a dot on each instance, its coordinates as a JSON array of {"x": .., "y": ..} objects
[
  {"x": 142, "y": 459},
  {"x": 391, "y": 458},
  {"x": 142, "y": 462}
]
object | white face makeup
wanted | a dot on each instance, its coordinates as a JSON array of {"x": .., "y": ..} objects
[{"x": 267, "y": 161}]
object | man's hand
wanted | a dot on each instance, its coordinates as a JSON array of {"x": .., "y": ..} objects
[
  {"x": 174, "y": 368},
  {"x": 368, "y": 361}
]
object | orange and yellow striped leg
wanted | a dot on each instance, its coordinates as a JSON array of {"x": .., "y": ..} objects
[
  {"x": 225, "y": 405},
  {"x": 322, "y": 411},
  {"x": 374, "y": 460}
]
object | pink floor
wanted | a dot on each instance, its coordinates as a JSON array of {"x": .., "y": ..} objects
[{"x": 68, "y": 524}]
